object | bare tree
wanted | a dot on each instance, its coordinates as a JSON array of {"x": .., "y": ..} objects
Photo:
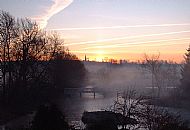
[
  {"x": 7, "y": 36},
  {"x": 157, "y": 118},
  {"x": 27, "y": 51},
  {"x": 152, "y": 64},
  {"x": 139, "y": 114},
  {"x": 129, "y": 105},
  {"x": 169, "y": 78},
  {"x": 164, "y": 75}
]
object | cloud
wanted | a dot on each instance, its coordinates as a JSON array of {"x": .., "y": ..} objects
[
  {"x": 146, "y": 43},
  {"x": 58, "y": 5},
  {"x": 125, "y": 37},
  {"x": 119, "y": 27}
]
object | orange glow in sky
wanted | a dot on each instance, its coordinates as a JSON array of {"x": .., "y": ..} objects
[{"x": 119, "y": 29}]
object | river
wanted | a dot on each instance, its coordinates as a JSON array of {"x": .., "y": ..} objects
[{"x": 73, "y": 107}]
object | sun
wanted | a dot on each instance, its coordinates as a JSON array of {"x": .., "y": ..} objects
[
  {"x": 99, "y": 55},
  {"x": 99, "y": 59}
]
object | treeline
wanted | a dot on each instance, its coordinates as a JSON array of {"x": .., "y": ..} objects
[
  {"x": 169, "y": 75},
  {"x": 34, "y": 64}
]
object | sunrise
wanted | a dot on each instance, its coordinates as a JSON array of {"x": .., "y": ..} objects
[
  {"x": 94, "y": 64},
  {"x": 133, "y": 26}
]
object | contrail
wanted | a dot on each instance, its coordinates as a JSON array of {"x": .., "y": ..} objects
[
  {"x": 119, "y": 27},
  {"x": 93, "y": 52},
  {"x": 58, "y": 5},
  {"x": 125, "y": 37},
  {"x": 136, "y": 43},
  {"x": 120, "y": 51},
  {"x": 89, "y": 52}
]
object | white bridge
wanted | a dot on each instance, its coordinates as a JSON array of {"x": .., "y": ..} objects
[{"x": 81, "y": 91}]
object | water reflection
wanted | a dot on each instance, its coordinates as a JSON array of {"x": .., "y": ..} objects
[{"x": 74, "y": 106}]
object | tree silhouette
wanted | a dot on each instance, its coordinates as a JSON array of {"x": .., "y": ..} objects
[
  {"x": 49, "y": 117},
  {"x": 34, "y": 64},
  {"x": 152, "y": 64},
  {"x": 185, "y": 82},
  {"x": 7, "y": 35}
]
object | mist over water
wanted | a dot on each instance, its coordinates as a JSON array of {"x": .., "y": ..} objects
[
  {"x": 109, "y": 78},
  {"x": 116, "y": 77},
  {"x": 120, "y": 77}
]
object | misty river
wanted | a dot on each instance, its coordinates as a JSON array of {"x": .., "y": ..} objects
[{"x": 73, "y": 108}]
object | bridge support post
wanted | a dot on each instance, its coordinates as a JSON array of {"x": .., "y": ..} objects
[
  {"x": 94, "y": 95},
  {"x": 80, "y": 94},
  {"x": 117, "y": 96}
]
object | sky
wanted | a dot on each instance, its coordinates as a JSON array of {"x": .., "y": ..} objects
[{"x": 119, "y": 29}]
